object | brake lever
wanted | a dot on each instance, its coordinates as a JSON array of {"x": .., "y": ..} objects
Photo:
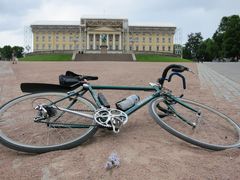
[{"x": 189, "y": 70}]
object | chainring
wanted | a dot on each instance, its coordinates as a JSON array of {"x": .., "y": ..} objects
[{"x": 111, "y": 118}]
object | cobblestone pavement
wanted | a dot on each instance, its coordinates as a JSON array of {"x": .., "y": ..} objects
[
  {"x": 222, "y": 86},
  {"x": 229, "y": 69}
]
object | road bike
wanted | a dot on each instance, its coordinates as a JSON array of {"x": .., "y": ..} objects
[{"x": 57, "y": 117}]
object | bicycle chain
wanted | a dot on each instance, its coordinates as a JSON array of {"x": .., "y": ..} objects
[{"x": 83, "y": 110}]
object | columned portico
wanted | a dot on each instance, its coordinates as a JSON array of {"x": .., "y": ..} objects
[
  {"x": 97, "y": 30},
  {"x": 120, "y": 41},
  {"x": 114, "y": 42},
  {"x": 87, "y": 41},
  {"x": 94, "y": 43},
  {"x": 108, "y": 41}
]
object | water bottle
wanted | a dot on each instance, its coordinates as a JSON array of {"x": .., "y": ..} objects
[{"x": 128, "y": 102}]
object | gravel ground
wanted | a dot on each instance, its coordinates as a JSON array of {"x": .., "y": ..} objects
[{"x": 146, "y": 151}]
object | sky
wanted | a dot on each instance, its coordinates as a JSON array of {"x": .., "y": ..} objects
[{"x": 187, "y": 15}]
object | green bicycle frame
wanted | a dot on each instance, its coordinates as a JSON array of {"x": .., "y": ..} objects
[
  {"x": 137, "y": 106},
  {"x": 157, "y": 92}
]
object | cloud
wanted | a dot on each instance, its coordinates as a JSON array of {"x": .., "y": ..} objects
[{"x": 189, "y": 15}]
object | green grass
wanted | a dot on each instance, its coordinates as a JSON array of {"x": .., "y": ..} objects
[
  {"x": 158, "y": 58},
  {"x": 47, "y": 57}
]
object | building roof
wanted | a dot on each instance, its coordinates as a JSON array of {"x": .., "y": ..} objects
[
  {"x": 152, "y": 24},
  {"x": 63, "y": 23}
]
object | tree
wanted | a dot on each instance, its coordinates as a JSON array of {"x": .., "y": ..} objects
[
  {"x": 0, "y": 53},
  {"x": 207, "y": 50},
  {"x": 192, "y": 45},
  {"x": 6, "y": 52},
  {"x": 227, "y": 37},
  {"x": 18, "y": 51},
  {"x": 186, "y": 53}
]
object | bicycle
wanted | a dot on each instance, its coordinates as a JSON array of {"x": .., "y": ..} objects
[{"x": 58, "y": 117}]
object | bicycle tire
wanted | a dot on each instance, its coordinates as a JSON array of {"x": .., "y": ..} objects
[
  {"x": 182, "y": 135},
  {"x": 7, "y": 124}
]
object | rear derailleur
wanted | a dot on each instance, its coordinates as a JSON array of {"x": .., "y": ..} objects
[{"x": 44, "y": 112}]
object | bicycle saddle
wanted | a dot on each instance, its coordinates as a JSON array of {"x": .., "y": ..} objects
[{"x": 70, "y": 78}]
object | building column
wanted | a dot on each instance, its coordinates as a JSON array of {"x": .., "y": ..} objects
[
  {"x": 120, "y": 42},
  {"x": 100, "y": 39},
  {"x": 107, "y": 41},
  {"x": 87, "y": 41},
  {"x": 94, "y": 44},
  {"x": 114, "y": 42}
]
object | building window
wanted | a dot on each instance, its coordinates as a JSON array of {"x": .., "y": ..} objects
[
  {"x": 49, "y": 38},
  {"x": 64, "y": 46},
  {"x": 169, "y": 48},
  {"x": 43, "y": 46},
  {"x": 143, "y": 39},
  {"x": 136, "y": 48},
  {"x": 169, "y": 40},
  {"x": 150, "y": 48},
  {"x": 57, "y": 46},
  {"x": 37, "y": 38},
  {"x": 91, "y": 37},
  {"x": 91, "y": 47},
  {"x": 163, "y": 40},
  {"x": 143, "y": 48},
  {"x": 49, "y": 46},
  {"x": 110, "y": 37},
  {"x": 70, "y": 46},
  {"x": 157, "y": 48},
  {"x": 157, "y": 40},
  {"x": 43, "y": 38},
  {"x": 163, "y": 48},
  {"x": 117, "y": 38},
  {"x": 97, "y": 46},
  {"x": 97, "y": 37},
  {"x": 136, "y": 39},
  {"x": 37, "y": 46},
  {"x": 70, "y": 38},
  {"x": 110, "y": 47},
  {"x": 64, "y": 38},
  {"x": 131, "y": 48},
  {"x": 150, "y": 39},
  {"x": 57, "y": 38},
  {"x": 116, "y": 47}
]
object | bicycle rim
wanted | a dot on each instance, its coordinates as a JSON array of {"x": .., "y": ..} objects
[
  {"x": 214, "y": 130},
  {"x": 19, "y": 131}
]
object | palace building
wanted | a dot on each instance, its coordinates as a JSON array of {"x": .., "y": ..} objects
[{"x": 90, "y": 34}]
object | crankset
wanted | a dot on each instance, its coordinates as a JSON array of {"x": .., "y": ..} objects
[{"x": 111, "y": 118}]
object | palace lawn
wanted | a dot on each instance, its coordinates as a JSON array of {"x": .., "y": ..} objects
[
  {"x": 158, "y": 58},
  {"x": 68, "y": 57},
  {"x": 48, "y": 57}
]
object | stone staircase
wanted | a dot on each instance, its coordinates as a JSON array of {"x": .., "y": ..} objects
[{"x": 103, "y": 57}]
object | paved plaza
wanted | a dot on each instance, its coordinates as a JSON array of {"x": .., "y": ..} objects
[
  {"x": 146, "y": 151},
  {"x": 223, "y": 79}
]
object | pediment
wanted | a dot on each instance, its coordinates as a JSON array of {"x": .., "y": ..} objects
[{"x": 104, "y": 29}]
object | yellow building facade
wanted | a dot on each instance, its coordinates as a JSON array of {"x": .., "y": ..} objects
[{"x": 89, "y": 35}]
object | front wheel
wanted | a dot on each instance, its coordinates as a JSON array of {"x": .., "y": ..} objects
[
  {"x": 20, "y": 131},
  {"x": 213, "y": 129}
]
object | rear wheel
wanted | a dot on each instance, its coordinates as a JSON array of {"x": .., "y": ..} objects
[
  {"x": 213, "y": 130},
  {"x": 19, "y": 131}
]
